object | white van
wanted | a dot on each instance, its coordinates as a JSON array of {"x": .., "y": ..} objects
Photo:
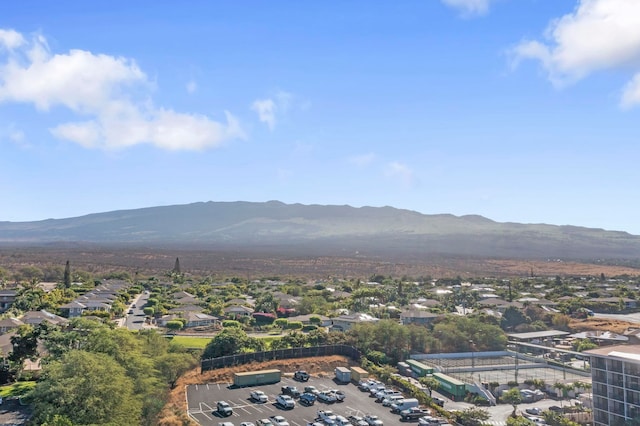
[
  {"x": 404, "y": 404},
  {"x": 391, "y": 399}
]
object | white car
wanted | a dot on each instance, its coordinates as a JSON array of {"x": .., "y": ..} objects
[
  {"x": 373, "y": 420},
  {"x": 247, "y": 424},
  {"x": 342, "y": 421},
  {"x": 259, "y": 396},
  {"x": 285, "y": 401},
  {"x": 279, "y": 421},
  {"x": 327, "y": 416}
]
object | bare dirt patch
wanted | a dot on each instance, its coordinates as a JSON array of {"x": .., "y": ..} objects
[
  {"x": 600, "y": 324},
  {"x": 174, "y": 412}
]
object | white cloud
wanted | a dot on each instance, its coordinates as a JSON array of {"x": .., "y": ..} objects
[
  {"x": 270, "y": 109},
  {"x": 266, "y": 109},
  {"x": 10, "y": 39},
  {"x": 597, "y": 35},
  {"x": 112, "y": 93},
  {"x": 400, "y": 171},
  {"x": 363, "y": 160},
  {"x": 192, "y": 86},
  {"x": 468, "y": 8},
  {"x": 631, "y": 93}
]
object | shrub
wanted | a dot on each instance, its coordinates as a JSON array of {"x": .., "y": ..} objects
[
  {"x": 295, "y": 325},
  {"x": 231, "y": 323}
]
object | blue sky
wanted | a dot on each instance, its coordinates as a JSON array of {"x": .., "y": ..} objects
[{"x": 518, "y": 110}]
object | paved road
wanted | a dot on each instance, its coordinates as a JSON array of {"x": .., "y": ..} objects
[
  {"x": 621, "y": 317},
  {"x": 135, "y": 320}
]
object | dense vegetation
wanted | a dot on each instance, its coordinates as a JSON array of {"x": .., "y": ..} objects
[{"x": 95, "y": 374}]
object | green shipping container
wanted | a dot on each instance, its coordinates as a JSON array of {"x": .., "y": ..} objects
[
  {"x": 419, "y": 368},
  {"x": 451, "y": 386},
  {"x": 261, "y": 377}
]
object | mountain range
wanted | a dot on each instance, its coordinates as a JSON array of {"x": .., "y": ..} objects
[{"x": 313, "y": 229}]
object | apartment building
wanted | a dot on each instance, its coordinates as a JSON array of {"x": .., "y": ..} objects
[{"x": 615, "y": 377}]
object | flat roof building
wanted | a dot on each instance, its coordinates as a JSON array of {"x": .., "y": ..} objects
[{"x": 615, "y": 378}]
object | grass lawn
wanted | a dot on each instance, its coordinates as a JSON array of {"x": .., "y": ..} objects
[
  {"x": 201, "y": 342},
  {"x": 190, "y": 341},
  {"x": 16, "y": 389}
]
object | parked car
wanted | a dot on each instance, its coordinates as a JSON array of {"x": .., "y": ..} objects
[
  {"x": 225, "y": 424},
  {"x": 285, "y": 401},
  {"x": 342, "y": 421},
  {"x": 428, "y": 421},
  {"x": 534, "y": 411},
  {"x": 224, "y": 409},
  {"x": 312, "y": 389},
  {"x": 265, "y": 422},
  {"x": 413, "y": 413},
  {"x": 338, "y": 394},
  {"x": 365, "y": 385},
  {"x": 327, "y": 416},
  {"x": 391, "y": 399},
  {"x": 291, "y": 391},
  {"x": 358, "y": 421},
  {"x": 374, "y": 389},
  {"x": 438, "y": 401},
  {"x": 259, "y": 396},
  {"x": 380, "y": 396},
  {"x": 247, "y": 424},
  {"x": 327, "y": 397},
  {"x": 307, "y": 399},
  {"x": 301, "y": 376},
  {"x": 373, "y": 420},
  {"x": 279, "y": 421}
]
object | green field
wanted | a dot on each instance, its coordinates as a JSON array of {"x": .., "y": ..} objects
[{"x": 190, "y": 341}]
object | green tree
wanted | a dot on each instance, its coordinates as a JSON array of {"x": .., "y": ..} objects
[
  {"x": 67, "y": 275},
  {"x": 472, "y": 416},
  {"x": 512, "y": 397},
  {"x": 86, "y": 388},
  {"x": 266, "y": 303},
  {"x": 519, "y": 421},
  {"x": 512, "y": 318},
  {"x": 431, "y": 383},
  {"x": 228, "y": 342},
  {"x": 172, "y": 365}
]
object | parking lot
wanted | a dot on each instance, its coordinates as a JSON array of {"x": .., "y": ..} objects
[{"x": 202, "y": 399}]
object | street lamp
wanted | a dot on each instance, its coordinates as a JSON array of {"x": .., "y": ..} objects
[{"x": 473, "y": 358}]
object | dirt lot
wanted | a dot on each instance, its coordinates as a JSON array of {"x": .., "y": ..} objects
[
  {"x": 600, "y": 324},
  {"x": 174, "y": 412}
]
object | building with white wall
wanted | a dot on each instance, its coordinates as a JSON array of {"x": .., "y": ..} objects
[{"x": 615, "y": 377}]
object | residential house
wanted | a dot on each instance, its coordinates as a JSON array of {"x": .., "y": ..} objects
[
  {"x": 37, "y": 317},
  {"x": 199, "y": 319},
  {"x": 235, "y": 311},
  {"x": 305, "y": 319},
  {"x": 7, "y": 297},
  {"x": 418, "y": 317},
  {"x": 72, "y": 309},
  {"x": 9, "y": 324},
  {"x": 346, "y": 322}
]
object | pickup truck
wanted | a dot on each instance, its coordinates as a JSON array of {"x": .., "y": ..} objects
[{"x": 413, "y": 413}]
